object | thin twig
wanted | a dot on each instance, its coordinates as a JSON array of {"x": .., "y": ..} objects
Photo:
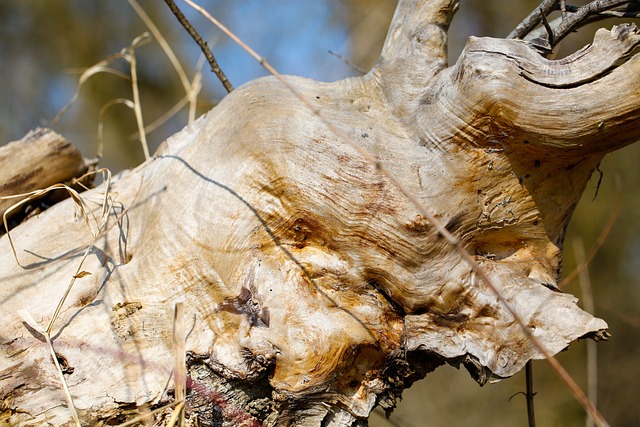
[
  {"x": 203, "y": 44},
  {"x": 601, "y": 238},
  {"x": 581, "y": 17},
  {"x": 529, "y": 395},
  {"x": 557, "y": 367},
  {"x": 533, "y": 19},
  {"x": 346, "y": 61},
  {"x": 572, "y": 18},
  {"x": 550, "y": 38},
  {"x": 629, "y": 10},
  {"x": 592, "y": 352}
]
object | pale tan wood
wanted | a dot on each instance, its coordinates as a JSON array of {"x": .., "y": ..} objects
[
  {"x": 312, "y": 287},
  {"x": 40, "y": 159}
]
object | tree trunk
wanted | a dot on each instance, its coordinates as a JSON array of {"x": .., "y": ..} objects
[{"x": 313, "y": 288}]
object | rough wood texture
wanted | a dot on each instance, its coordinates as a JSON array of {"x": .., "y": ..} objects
[
  {"x": 40, "y": 159},
  {"x": 313, "y": 289}
]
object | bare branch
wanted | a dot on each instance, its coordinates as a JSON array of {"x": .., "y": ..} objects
[
  {"x": 583, "y": 15},
  {"x": 571, "y": 19},
  {"x": 530, "y": 394},
  {"x": 202, "y": 43},
  {"x": 533, "y": 20}
]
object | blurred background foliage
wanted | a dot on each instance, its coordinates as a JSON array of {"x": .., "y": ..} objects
[{"x": 44, "y": 46}]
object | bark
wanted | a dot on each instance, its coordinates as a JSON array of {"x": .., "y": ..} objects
[
  {"x": 41, "y": 159},
  {"x": 312, "y": 287}
]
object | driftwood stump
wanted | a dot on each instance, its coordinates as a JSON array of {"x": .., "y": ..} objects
[{"x": 313, "y": 289}]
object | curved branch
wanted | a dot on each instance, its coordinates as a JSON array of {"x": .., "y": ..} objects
[
  {"x": 414, "y": 51},
  {"x": 575, "y": 102}
]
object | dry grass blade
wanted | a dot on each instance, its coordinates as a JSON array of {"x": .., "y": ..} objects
[
  {"x": 179, "y": 369},
  {"x": 79, "y": 202},
  {"x": 103, "y": 110},
  {"x": 613, "y": 216},
  {"x": 192, "y": 89},
  {"x": 29, "y": 320},
  {"x": 163, "y": 44},
  {"x": 592, "y": 351},
  {"x": 177, "y": 417},
  {"x": 100, "y": 67},
  {"x": 143, "y": 417},
  {"x": 137, "y": 107},
  {"x": 422, "y": 209},
  {"x": 197, "y": 86},
  {"x": 106, "y": 196},
  {"x": 79, "y": 273},
  {"x": 165, "y": 117},
  {"x": 72, "y": 407},
  {"x": 35, "y": 195}
]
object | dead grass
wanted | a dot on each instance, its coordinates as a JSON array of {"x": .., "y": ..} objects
[{"x": 97, "y": 224}]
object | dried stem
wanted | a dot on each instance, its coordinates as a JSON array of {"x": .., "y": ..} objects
[
  {"x": 346, "y": 61},
  {"x": 179, "y": 370},
  {"x": 200, "y": 41},
  {"x": 143, "y": 417},
  {"x": 529, "y": 395},
  {"x": 592, "y": 352},
  {"x": 137, "y": 109},
  {"x": 599, "y": 242},
  {"x": 191, "y": 88}
]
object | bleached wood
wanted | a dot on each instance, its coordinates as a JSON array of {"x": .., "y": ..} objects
[
  {"x": 40, "y": 159},
  {"x": 312, "y": 288}
]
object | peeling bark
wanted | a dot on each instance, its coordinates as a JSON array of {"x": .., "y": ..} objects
[{"x": 313, "y": 289}]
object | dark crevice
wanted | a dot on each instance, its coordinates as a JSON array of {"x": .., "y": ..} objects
[{"x": 378, "y": 286}]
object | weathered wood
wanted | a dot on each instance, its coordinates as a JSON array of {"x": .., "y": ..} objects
[
  {"x": 40, "y": 159},
  {"x": 313, "y": 289}
]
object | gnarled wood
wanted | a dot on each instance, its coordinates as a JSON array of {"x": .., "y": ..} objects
[{"x": 313, "y": 288}]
